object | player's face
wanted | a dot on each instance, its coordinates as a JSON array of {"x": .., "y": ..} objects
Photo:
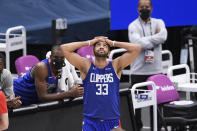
[
  {"x": 101, "y": 49},
  {"x": 57, "y": 59}
]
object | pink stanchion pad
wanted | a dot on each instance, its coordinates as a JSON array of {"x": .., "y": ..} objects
[
  {"x": 166, "y": 91},
  {"x": 86, "y": 52}
]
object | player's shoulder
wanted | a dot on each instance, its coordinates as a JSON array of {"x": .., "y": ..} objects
[
  {"x": 40, "y": 68},
  {"x": 41, "y": 65}
]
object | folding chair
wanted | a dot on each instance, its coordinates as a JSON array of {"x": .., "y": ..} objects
[
  {"x": 167, "y": 60},
  {"x": 185, "y": 81},
  {"x": 24, "y": 63},
  {"x": 15, "y": 39},
  {"x": 174, "y": 113},
  {"x": 144, "y": 98}
]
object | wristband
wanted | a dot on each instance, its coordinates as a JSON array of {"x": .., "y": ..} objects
[
  {"x": 89, "y": 43},
  {"x": 113, "y": 43}
]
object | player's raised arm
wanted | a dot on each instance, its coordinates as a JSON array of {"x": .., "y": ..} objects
[
  {"x": 79, "y": 62},
  {"x": 127, "y": 58}
]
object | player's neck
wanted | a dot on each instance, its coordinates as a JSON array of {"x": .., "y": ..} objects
[{"x": 100, "y": 62}]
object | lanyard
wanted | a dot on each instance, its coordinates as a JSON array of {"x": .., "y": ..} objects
[{"x": 143, "y": 27}]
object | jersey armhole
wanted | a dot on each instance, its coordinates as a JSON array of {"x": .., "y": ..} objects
[{"x": 114, "y": 70}]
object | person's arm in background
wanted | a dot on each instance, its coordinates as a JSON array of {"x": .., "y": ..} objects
[
  {"x": 4, "y": 121},
  {"x": 7, "y": 88},
  {"x": 148, "y": 42},
  {"x": 134, "y": 37},
  {"x": 160, "y": 35}
]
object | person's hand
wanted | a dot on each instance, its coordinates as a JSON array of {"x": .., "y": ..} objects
[
  {"x": 101, "y": 38},
  {"x": 93, "y": 41},
  {"x": 97, "y": 39},
  {"x": 76, "y": 91},
  {"x": 157, "y": 30},
  {"x": 110, "y": 42},
  {"x": 14, "y": 103}
]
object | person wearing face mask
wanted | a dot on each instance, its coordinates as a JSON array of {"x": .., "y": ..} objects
[
  {"x": 40, "y": 83},
  {"x": 150, "y": 33}
]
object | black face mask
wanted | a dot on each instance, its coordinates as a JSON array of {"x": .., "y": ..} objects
[
  {"x": 144, "y": 14},
  {"x": 58, "y": 64}
]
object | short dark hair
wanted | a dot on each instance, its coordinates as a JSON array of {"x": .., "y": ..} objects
[
  {"x": 145, "y": 0},
  {"x": 54, "y": 49},
  {"x": 2, "y": 57}
]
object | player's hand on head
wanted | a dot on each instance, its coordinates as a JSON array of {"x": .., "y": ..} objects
[
  {"x": 110, "y": 42},
  {"x": 93, "y": 41}
]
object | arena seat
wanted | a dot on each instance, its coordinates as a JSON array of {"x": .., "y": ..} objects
[
  {"x": 167, "y": 60},
  {"x": 174, "y": 113},
  {"x": 24, "y": 63},
  {"x": 86, "y": 52},
  {"x": 144, "y": 98},
  {"x": 186, "y": 81}
]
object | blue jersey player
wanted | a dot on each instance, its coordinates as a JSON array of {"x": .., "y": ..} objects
[
  {"x": 40, "y": 83},
  {"x": 101, "y": 80}
]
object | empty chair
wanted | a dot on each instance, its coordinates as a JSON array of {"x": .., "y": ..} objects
[
  {"x": 184, "y": 81},
  {"x": 143, "y": 98},
  {"x": 24, "y": 63},
  {"x": 175, "y": 113},
  {"x": 167, "y": 60},
  {"x": 14, "y": 39}
]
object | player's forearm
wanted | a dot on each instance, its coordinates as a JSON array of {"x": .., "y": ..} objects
[{"x": 54, "y": 97}]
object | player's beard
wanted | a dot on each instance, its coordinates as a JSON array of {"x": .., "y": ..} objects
[{"x": 100, "y": 55}]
